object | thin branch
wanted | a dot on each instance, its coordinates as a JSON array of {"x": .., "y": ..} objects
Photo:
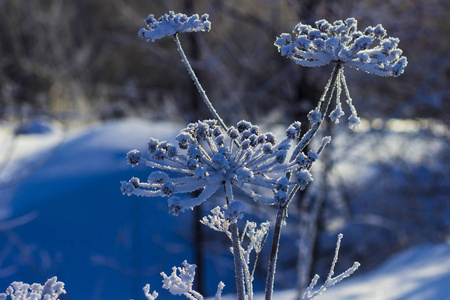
[{"x": 197, "y": 83}]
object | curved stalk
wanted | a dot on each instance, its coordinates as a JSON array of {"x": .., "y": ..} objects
[
  {"x": 323, "y": 104},
  {"x": 197, "y": 83}
]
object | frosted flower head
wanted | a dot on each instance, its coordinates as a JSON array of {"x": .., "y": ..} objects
[
  {"x": 207, "y": 158},
  {"x": 341, "y": 42},
  {"x": 172, "y": 23}
]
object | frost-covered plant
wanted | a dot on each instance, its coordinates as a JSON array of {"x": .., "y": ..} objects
[
  {"x": 343, "y": 44},
  {"x": 51, "y": 290},
  {"x": 310, "y": 293},
  {"x": 209, "y": 155},
  {"x": 172, "y": 23},
  {"x": 208, "y": 158},
  {"x": 180, "y": 282}
]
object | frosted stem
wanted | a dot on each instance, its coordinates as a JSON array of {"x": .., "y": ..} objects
[
  {"x": 274, "y": 253},
  {"x": 324, "y": 102},
  {"x": 238, "y": 261},
  {"x": 197, "y": 83}
]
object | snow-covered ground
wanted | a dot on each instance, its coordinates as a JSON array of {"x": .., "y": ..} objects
[
  {"x": 419, "y": 273},
  {"x": 62, "y": 213}
]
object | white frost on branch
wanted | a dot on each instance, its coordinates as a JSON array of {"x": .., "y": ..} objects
[
  {"x": 172, "y": 23},
  {"x": 310, "y": 294},
  {"x": 51, "y": 290}
]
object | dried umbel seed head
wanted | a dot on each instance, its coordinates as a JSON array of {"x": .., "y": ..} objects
[
  {"x": 206, "y": 159},
  {"x": 171, "y": 24},
  {"x": 342, "y": 43},
  {"x": 133, "y": 157}
]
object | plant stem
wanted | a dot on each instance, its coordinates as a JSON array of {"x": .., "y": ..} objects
[
  {"x": 324, "y": 102},
  {"x": 197, "y": 83},
  {"x": 238, "y": 261},
  {"x": 274, "y": 253}
]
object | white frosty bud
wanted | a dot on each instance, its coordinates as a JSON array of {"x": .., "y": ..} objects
[
  {"x": 157, "y": 177},
  {"x": 152, "y": 145},
  {"x": 270, "y": 138},
  {"x": 200, "y": 173},
  {"x": 304, "y": 177},
  {"x": 354, "y": 121},
  {"x": 337, "y": 113},
  {"x": 233, "y": 133},
  {"x": 172, "y": 151},
  {"x": 183, "y": 140},
  {"x": 313, "y": 156},
  {"x": 293, "y": 130},
  {"x": 159, "y": 154},
  {"x": 314, "y": 116},
  {"x": 133, "y": 157},
  {"x": 244, "y": 174},
  {"x": 127, "y": 188},
  {"x": 192, "y": 163},
  {"x": 267, "y": 148},
  {"x": 168, "y": 188},
  {"x": 301, "y": 159},
  {"x": 282, "y": 184},
  {"x": 281, "y": 156},
  {"x": 219, "y": 161},
  {"x": 243, "y": 125},
  {"x": 174, "y": 205}
]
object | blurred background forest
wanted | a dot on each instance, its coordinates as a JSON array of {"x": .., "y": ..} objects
[{"x": 82, "y": 62}]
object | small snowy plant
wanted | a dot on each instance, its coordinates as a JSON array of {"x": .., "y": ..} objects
[
  {"x": 51, "y": 290},
  {"x": 209, "y": 156}
]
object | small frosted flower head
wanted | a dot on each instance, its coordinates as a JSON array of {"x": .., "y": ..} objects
[
  {"x": 293, "y": 131},
  {"x": 314, "y": 116},
  {"x": 174, "y": 205},
  {"x": 303, "y": 178},
  {"x": 209, "y": 159},
  {"x": 342, "y": 43},
  {"x": 133, "y": 157},
  {"x": 172, "y": 23}
]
